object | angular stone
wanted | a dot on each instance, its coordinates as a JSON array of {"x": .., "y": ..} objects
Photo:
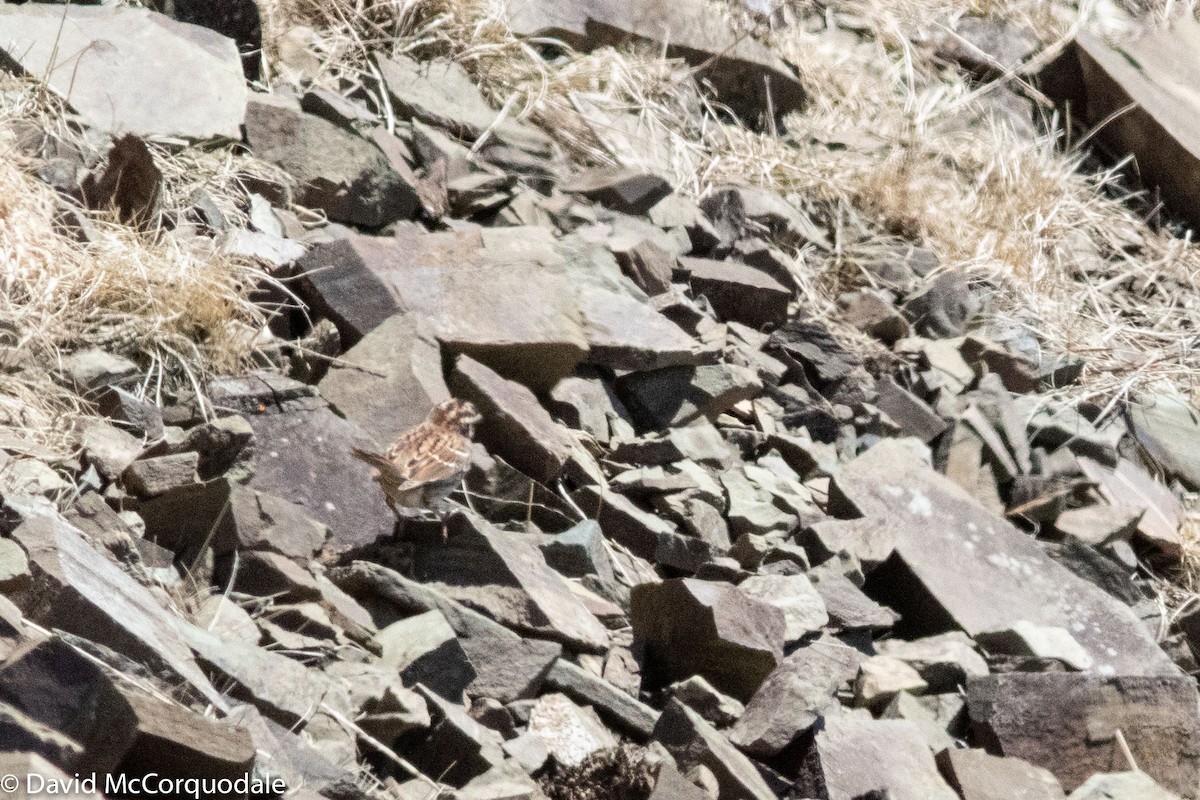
[
  {"x": 944, "y": 308},
  {"x": 853, "y": 756},
  {"x": 1099, "y": 525},
  {"x": 934, "y": 716},
  {"x": 876, "y": 317},
  {"x": 580, "y": 551},
  {"x": 129, "y": 70},
  {"x": 178, "y": 743},
  {"x": 647, "y": 264},
  {"x": 508, "y": 667},
  {"x": 699, "y": 695},
  {"x": 881, "y": 678},
  {"x": 693, "y": 743},
  {"x": 571, "y": 733},
  {"x": 1036, "y": 641},
  {"x": 384, "y": 707},
  {"x": 1129, "y": 485},
  {"x": 623, "y": 712},
  {"x": 503, "y": 576},
  {"x": 439, "y": 93},
  {"x": 93, "y": 369},
  {"x": 515, "y": 426},
  {"x": 1121, "y": 786},
  {"x": 1068, "y": 723},
  {"x": 109, "y": 449},
  {"x": 623, "y": 189},
  {"x": 944, "y": 661},
  {"x": 746, "y": 75},
  {"x": 869, "y": 539},
  {"x": 425, "y": 650},
  {"x": 80, "y": 591},
  {"x": 947, "y": 547},
  {"x": 849, "y": 609},
  {"x": 692, "y": 627},
  {"x": 977, "y": 775},
  {"x": 647, "y": 535},
  {"x": 388, "y": 382},
  {"x": 303, "y": 456},
  {"x": 912, "y": 414},
  {"x": 458, "y": 748},
  {"x": 53, "y": 685},
  {"x": 794, "y": 595},
  {"x": 340, "y": 173},
  {"x": 154, "y": 476},
  {"x": 738, "y": 292},
  {"x": 675, "y": 396},
  {"x": 1169, "y": 428}
]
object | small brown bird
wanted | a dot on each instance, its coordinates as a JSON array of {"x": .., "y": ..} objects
[{"x": 425, "y": 463}]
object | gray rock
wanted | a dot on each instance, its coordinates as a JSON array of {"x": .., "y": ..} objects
[
  {"x": 944, "y": 308},
  {"x": 150, "y": 477},
  {"x": 945, "y": 661},
  {"x": 1023, "y": 582},
  {"x": 675, "y": 396},
  {"x": 1068, "y": 723},
  {"x": 1121, "y": 786},
  {"x": 93, "y": 369},
  {"x": 739, "y": 68},
  {"x": 738, "y": 292},
  {"x": 425, "y": 649},
  {"x": 849, "y": 609},
  {"x": 694, "y": 743},
  {"x": 1036, "y": 641},
  {"x": 623, "y": 189},
  {"x": 803, "y": 609},
  {"x": 1128, "y": 485},
  {"x": 340, "y": 173},
  {"x": 881, "y": 678},
  {"x": 647, "y": 535},
  {"x": 868, "y": 539},
  {"x": 1169, "y": 429},
  {"x": 853, "y": 755},
  {"x": 977, "y": 775},
  {"x": 571, "y": 733},
  {"x": 913, "y": 415},
  {"x": 383, "y": 707},
  {"x": 188, "y": 84},
  {"x": 623, "y": 712},
  {"x": 940, "y": 718},
  {"x": 692, "y": 627},
  {"x": 458, "y": 748},
  {"x": 699, "y": 695},
  {"x": 109, "y": 449}
]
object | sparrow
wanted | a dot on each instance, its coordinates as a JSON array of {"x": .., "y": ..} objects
[{"x": 425, "y": 463}]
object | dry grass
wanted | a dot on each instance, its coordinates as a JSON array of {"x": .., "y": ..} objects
[{"x": 172, "y": 303}]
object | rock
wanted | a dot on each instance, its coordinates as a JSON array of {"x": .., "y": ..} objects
[
  {"x": 944, "y": 308},
  {"x": 853, "y": 756},
  {"x": 1100, "y": 524},
  {"x": 868, "y": 539},
  {"x": 188, "y": 84},
  {"x": 515, "y": 426},
  {"x": 425, "y": 650},
  {"x": 740, "y": 69},
  {"x": 699, "y": 695},
  {"x": 580, "y": 550},
  {"x": 79, "y": 591},
  {"x": 876, "y": 317},
  {"x": 976, "y": 775},
  {"x": 439, "y": 93},
  {"x": 945, "y": 566},
  {"x": 944, "y": 661},
  {"x": 571, "y": 733},
  {"x": 1166, "y": 426},
  {"x": 508, "y": 666},
  {"x": 220, "y": 444},
  {"x": 648, "y": 265},
  {"x": 504, "y": 577},
  {"x": 340, "y": 173},
  {"x": 1017, "y": 373},
  {"x": 279, "y": 687},
  {"x": 507, "y": 780},
  {"x": 912, "y": 414},
  {"x": 625, "y": 713},
  {"x": 174, "y": 742},
  {"x": 303, "y": 456},
  {"x": 236, "y": 19},
  {"x": 92, "y": 370},
  {"x": 849, "y": 609},
  {"x": 881, "y": 678},
  {"x": 134, "y": 414},
  {"x": 389, "y": 380},
  {"x": 692, "y": 627},
  {"x": 647, "y": 535},
  {"x": 586, "y": 403},
  {"x": 941, "y": 719},
  {"x": 675, "y": 396},
  {"x": 15, "y": 576},
  {"x": 225, "y": 619},
  {"x": 1037, "y": 641},
  {"x": 154, "y": 476},
  {"x": 52, "y": 684},
  {"x": 1068, "y": 723},
  {"x": 458, "y": 748},
  {"x": 30, "y": 477},
  {"x": 694, "y": 743},
  {"x": 623, "y": 189},
  {"x": 738, "y": 292},
  {"x": 1130, "y": 486},
  {"x": 1121, "y": 786},
  {"x": 802, "y": 607},
  {"x": 527, "y": 307},
  {"x": 384, "y": 707},
  {"x": 814, "y": 350}
]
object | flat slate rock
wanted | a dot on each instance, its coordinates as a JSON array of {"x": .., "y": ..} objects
[
  {"x": 129, "y": 70},
  {"x": 1068, "y": 723},
  {"x": 965, "y": 567}
]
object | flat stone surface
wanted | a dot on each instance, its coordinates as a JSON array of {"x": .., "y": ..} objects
[
  {"x": 977, "y": 775},
  {"x": 738, "y": 292},
  {"x": 794, "y": 696},
  {"x": 693, "y": 742},
  {"x": 975, "y": 571},
  {"x": 853, "y": 754},
  {"x": 803, "y": 609},
  {"x": 630, "y": 716},
  {"x": 425, "y": 649},
  {"x": 1068, "y": 723},
  {"x": 178, "y": 742},
  {"x": 77, "y": 589},
  {"x": 1169, "y": 429},
  {"x": 128, "y": 70},
  {"x": 1122, "y": 786},
  {"x": 571, "y": 733},
  {"x": 693, "y": 627}
]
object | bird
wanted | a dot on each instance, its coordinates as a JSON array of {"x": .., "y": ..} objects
[{"x": 426, "y": 462}]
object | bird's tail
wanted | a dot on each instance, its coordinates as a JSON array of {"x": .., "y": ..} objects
[{"x": 374, "y": 459}]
